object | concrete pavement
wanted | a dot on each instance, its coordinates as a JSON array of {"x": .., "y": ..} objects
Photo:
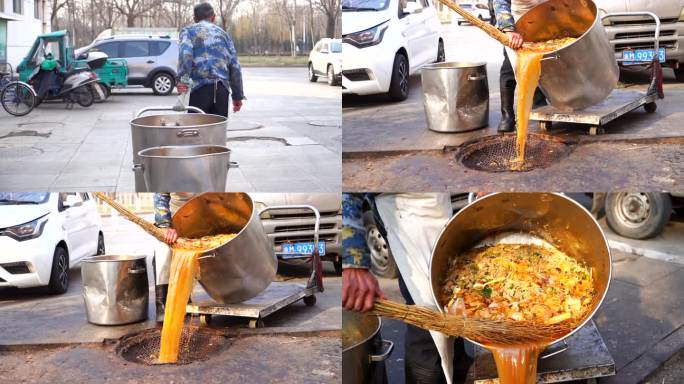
[{"x": 286, "y": 137}]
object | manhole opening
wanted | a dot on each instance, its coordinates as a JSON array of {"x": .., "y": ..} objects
[
  {"x": 499, "y": 154},
  {"x": 197, "y": 344}
]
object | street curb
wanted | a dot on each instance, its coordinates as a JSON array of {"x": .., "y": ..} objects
[{"x": 651, "y": 254}]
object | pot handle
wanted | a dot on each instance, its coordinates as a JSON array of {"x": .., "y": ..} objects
[
  {"x": 169, "y": 108},
  {"x": 555, "y": 349},
  {"x": 136, "y": 271},
  {"x": 383, "y": 356},
  {"x": 476, "y": 78},
  {"x": 233, "y": 164},
  {"x": 137, "y": 168},
  {"x": 188, "y": 133}
]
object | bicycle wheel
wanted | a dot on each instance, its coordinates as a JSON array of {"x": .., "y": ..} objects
[{"x": 17, "y": 99}]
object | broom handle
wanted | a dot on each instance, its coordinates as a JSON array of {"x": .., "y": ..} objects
[
  {"x": 148, "y": 227},
  {"x": 486, "y": 27}
]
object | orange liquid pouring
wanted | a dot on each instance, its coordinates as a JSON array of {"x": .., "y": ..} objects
[
  {"x": 183, "y": 267},
  {"x": 528, "y": 72},
  {"x": 516, "y": 364}
]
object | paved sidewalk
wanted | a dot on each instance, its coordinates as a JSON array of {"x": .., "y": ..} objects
[{"x": 287, "y": 136}]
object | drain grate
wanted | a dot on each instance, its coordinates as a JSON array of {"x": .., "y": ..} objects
[
  {"x": 197, "y": 344},
  {"x": 498, "y": 153}
]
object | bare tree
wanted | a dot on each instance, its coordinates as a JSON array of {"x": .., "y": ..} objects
[
  {"x": 226, "y": 10},
  {"x": 289, "y": 16},
  {"x": 331, "y": 10},
  {"x": 131, "y": 10},
  {"x": 57, "y": 5}
]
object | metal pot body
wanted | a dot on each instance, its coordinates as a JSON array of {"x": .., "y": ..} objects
[
  {"x": 174, "y": 129},
  {"x": 455, "y": 96},
  {"x": 188, "y": 168},
  {"x": 585, "y": 72},
  {"x": 115, "y": 289},
  {"x": 560, "y": 221},
  {"x": 359, "y": 352},
  {"x": 244, "y": 266}
]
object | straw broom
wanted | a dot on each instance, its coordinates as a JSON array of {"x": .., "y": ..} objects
[
  {"x": 494, "y": 331},
  {"x": 148, "y": 227}
]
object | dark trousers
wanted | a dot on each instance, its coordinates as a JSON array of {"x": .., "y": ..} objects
[
  {"x": 422, "y": 363},
  {"x": 211, "y": 98},
  {"x": 507, "y": 82}
]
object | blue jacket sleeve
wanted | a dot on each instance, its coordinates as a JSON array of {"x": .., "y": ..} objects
[
  {"x": 185, "y": 54},
  {"x": 162, "y": 212},
  {"x": 235, "y": 72},
  {"x": 355, "y": 252},
  {"x": 504, "y": 16}
]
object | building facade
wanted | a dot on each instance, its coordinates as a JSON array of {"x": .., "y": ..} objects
[{"x": 20, "y": 22}]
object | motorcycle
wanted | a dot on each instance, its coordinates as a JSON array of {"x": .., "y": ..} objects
[{"x": 74, "y": 86}]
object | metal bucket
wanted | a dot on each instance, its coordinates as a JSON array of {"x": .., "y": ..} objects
[
  {"x": 552, "y": 217},
  {"x": 188, "y": 168},
  {"x": 115, "y": 289},
  {"x": 174, "y": 129},
  {"x": 455, "y": 96},
  {"x": 360, "y": 342},
  {"x": 583, "y": 73},
  {"x": 240, "y": 268}
]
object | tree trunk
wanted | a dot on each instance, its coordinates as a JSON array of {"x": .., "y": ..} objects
[
  {"x": 130, "y": 19},
  {"x": 330, "y": 26}
]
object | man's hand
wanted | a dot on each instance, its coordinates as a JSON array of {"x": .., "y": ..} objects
[
  {"x": 237, "y": 104},
  {"x": 515, "y": 40},
  {"x": 170, "y": 235},
  {"x": 359, "y": 289},
  {"x": 182, "y": 88}
]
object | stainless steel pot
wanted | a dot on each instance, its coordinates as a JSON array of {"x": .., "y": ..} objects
[
  {"x": 585, "y": 72},
  {"x": 361, "y": 342},
  {"x": 240, "y": 268},
  {"x": 188, "y": 168},
  {"x": 455, "y": 96},
  {"x": 560, "y": 221},
  {"x": 115, "y": 289},
  {"x": 174, "y": 129}
]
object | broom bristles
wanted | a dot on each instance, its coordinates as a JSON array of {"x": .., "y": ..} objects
[{"x": 492, "y": 331}]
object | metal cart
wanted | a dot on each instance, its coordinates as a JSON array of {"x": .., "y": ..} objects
[
  {"x": 277, "y": 295},
  {"x": 619, "y": 102}
]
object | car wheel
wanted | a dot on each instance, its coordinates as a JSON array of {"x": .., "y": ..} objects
[
  {"x": 162, "y": 84},
  {"x": 312, "y": 75},
  {"x": 638, "y": 215},
  {"x": 382, "y": 261},
  {"x": 399, "y": 85},
  {"x": 331, "y": 76},
  {"x": 441, "y": 56},
  {"x": 100, "y": 245},
  {"x": 59, "y": 275}
]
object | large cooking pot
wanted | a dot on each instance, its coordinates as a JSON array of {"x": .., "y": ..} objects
[
  {"x": 174, "y": 129},
  {"x": 188, "y": 168},
  {"x": 361, "y": 342},
  {"x": 115, "y": 289},
  {"x": 554, "y": 218},
  {"x": 455, "y": 96},
  {"x": 244, "y": 266},
  {"x": 583, "y": 73}
]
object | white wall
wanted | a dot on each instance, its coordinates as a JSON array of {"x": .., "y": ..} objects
[{"x": 21, "y": 34}]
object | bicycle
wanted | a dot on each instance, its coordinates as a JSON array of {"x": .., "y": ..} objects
[{"x": 16, "y": 97}]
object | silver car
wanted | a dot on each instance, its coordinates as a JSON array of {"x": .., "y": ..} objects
[{"x": 152, "y": 60}]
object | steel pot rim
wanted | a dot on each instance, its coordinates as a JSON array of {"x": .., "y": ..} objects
[
  {"x": 224, "y": 151},
  {"x": 222, "y": 119},
  {"x": 603, "y": 236},
  {"x": 455, "y": 65},
  {"x": 372, "y": 335},
  {"x": 113, "y": 258}
]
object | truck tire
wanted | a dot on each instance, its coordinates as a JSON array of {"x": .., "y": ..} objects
[
  {"x": 382, "y": 261},
  {"x": 59, "y": 275},
  {"x": 638, "y": 215},
  {"x": 399, "y": 84}
]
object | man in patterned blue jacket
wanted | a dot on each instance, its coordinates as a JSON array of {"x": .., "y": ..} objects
[{"x": 207, "y": 57}]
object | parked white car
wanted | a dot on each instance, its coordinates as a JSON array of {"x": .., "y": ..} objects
[
  {"x": 386, "y": 41},
  {"x": 477, "y": 10},
  {"x": 325, "y": 59},
  {"x": 42, "y": 235}
]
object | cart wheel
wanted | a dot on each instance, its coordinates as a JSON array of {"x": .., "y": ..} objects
[
  {"x": 205, "y": 320},
  {"x": 256, "y": 323},
  {"x": 650, "y": 107},
  {"x": 544, "y": 125},
  {"x": 310, "y": 300},
  {"x": 596, "y": 130}
]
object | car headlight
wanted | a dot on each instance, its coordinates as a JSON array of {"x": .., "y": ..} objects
[
  {"x": 367, "y": 38},
  {"x": 605, "y": 22},
  {"x": 26, "y": 231},
  {"x": 259, "y": 206}
]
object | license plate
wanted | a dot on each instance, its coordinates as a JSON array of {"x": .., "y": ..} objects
[
  {"x": 642, "y": 56},
  {"x": 293, "y": 250}
]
